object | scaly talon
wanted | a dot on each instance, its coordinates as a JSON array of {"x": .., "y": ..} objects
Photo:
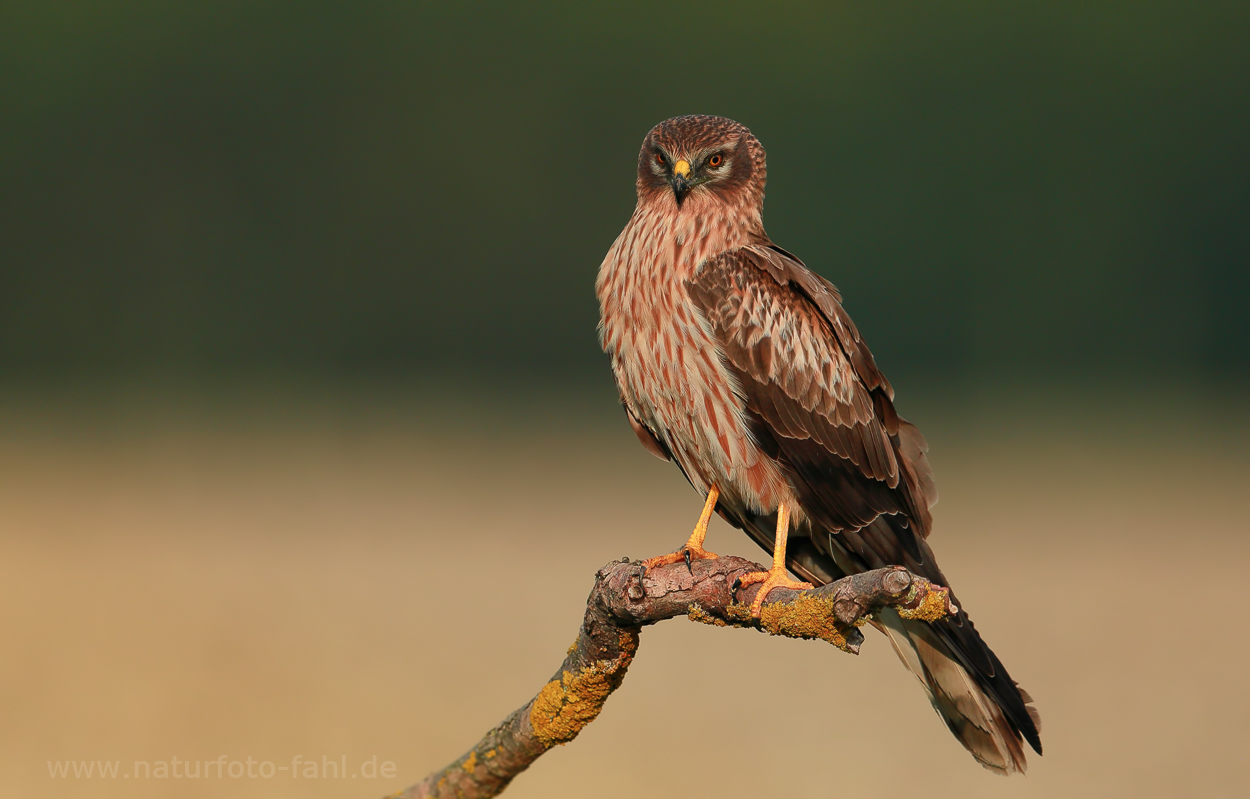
[
  {"x": 686, "y": 553},
  {"x": 775, "y": 577},
  {"x": 693, "y": 550}
]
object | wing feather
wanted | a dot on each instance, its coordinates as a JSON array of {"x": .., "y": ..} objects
[{"x": 805, "y": 373}]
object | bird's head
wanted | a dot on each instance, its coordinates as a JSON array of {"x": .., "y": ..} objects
[{"x": 690, "y": 157}]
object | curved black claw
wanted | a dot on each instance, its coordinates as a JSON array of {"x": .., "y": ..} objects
[
  {"x": 685, "y": 551},
  {"x": 736, "y": 585}
]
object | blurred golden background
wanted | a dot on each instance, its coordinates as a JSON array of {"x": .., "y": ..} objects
[{"x": 307, "y": 448}]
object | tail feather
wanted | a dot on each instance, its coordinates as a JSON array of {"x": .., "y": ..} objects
[{"x": 974, "y": 717}]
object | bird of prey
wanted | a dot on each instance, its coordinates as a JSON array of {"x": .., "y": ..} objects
[{"x": 739, "y": 364}]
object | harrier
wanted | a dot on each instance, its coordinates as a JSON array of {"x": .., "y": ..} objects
[{"x": 739, "y": 364}]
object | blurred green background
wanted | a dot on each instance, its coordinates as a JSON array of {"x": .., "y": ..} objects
[
  {"x": 297, "y": 341},
  {"x": 1032, "y": 189}
]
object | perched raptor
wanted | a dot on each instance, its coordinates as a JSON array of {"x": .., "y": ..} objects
[{"x": 737, "y": 363}]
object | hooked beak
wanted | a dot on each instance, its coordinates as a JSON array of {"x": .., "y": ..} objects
[{"x": 681, "y": 180}]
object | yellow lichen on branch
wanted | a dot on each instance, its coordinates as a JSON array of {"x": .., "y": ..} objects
[
  {"x": 934, "y": 604},
  {"x": 700, "y": 615},
  {"x": 807, "y": 616},
  {"x": 566, "y": 705}
]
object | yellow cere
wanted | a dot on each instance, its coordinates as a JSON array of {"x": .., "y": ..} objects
[{"x": 682, "y": 168}]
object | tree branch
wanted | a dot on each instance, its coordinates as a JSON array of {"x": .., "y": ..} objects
[{"x": 623, "y": 601}]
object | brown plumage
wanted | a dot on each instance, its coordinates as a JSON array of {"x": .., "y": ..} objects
[{"x": 739, "y": 364}]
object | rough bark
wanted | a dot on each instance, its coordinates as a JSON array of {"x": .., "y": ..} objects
[{"x": 624, "y": 600}]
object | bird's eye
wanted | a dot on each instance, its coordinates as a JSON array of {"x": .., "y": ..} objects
[
  {"x": 659, "y": 159},
  {"x": 716, "y": 160}
]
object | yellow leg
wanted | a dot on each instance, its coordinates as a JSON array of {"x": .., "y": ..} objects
[
  {"x": 693, "y": 550},
  {"x": 775, "y": 577}
]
